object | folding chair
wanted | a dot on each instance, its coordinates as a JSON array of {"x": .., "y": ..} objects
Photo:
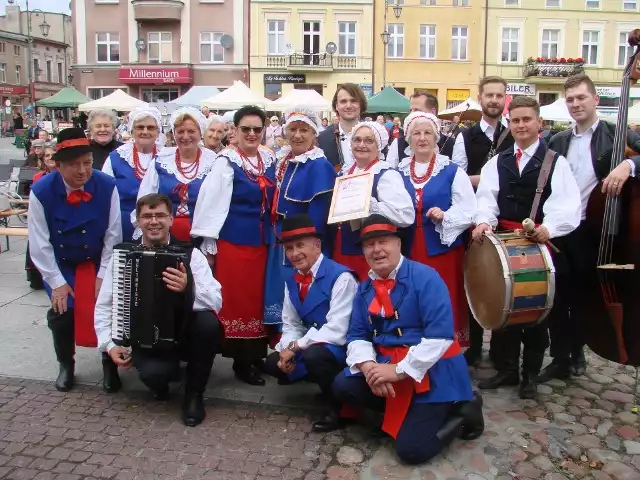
[{"x": 5, "y": 175}]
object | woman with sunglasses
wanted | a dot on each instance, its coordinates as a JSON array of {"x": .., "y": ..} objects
[
  {"x": 304, "y": 182},
  {"x": 233, "y": 219},
  {"x": 179, "y": 172},
  {"x": 389, "y": 197},
  {"x": 129, "y": 162}
]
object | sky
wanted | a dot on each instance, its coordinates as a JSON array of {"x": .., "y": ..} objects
[{"x": 61, "y": 6}]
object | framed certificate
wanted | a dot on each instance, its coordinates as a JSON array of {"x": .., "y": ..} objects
[{"x": 351, "y": 197}]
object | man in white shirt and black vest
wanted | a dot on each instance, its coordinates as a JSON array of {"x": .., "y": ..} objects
[{"x": 508, "y": 184}]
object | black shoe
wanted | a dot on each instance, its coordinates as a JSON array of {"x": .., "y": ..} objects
[
  {"x": 451, "y": 430},
  {"x": 193, "y": 412},
  {"x": 260, "y": 366},
  {"x": 500, "y": 379},
  {"x": 528, "y": 387},
  {"x": 36, "y": 285},
  {"x": 64, "y": 382},
  {"x": 473, "y": 356},
  {"x": 330, "y": 422},
  {"x": 472, "y": 418},
  {"x": 556, "y": 369},
  {"x": 578, "y": 362},
  {"x": 160, "y": 394},
  {"x": 249, "y": 375},
  {"x": 110, "y": 379}
]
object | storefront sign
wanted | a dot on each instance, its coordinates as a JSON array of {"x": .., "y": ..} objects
[
  {"x": 457, "y": 95},
  {"x": 63, "y": 125},
  {"x": 521, "y": 89},
  {"x": 614, "y": 92},
  {"x": 12, "y": 90},
  {"x": 155, "y": 75},
  {"x": 285, "y": 78},
  {"x": 367, "y": 89}
]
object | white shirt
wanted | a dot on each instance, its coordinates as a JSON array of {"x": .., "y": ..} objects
[
  {"x": 208, "y": 296},
  {"x": 460, "y": 216},
  {"x": 459, "y": 154},
  {"x": 561, "y": 211},
  {"x": 419, "y": 359},
  {"x": 335, "y": 330},
  {"x": 126, "y": 152},
  {"x": 393, "y": 157},
  {"x": 41, "y": 249},
  {"x": 345, "y": 144},
  {"x": 394, "y": 202}
]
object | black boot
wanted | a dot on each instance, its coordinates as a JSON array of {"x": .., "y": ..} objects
[
  {"x": 62, "y": 330},
  {"x": 329, "y": 422},
  {"x": 248, "y": 374},
  {"x": 528, "y": 386},
  {"x": 500, "y": 379},
  {"x": 193, "y": 412},
  {"x": 110, "y": 379},
  {"x": 558, "y": 368},
  {"x": 472, "y": 417},
  {"x": 64, "y": 382},
  {"x": 451, "y": 430},
  {"x": 578, "y": 361},
  {"x": 473, "y": 356}
]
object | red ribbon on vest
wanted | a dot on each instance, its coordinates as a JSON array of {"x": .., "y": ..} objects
[
  {"x": 382, "y": 298},
  {"x": 396, "y": 408},
  {"x": 304, "y": 281},
  {"x": 85, "y": 304},
  {"x": 77, "y": 196}
]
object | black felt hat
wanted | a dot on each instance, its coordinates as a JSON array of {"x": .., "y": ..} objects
[
  {"x": 376, "y": 226},
  {"x": 71, "y": 143},
  {"x": 298, "y": 226}
]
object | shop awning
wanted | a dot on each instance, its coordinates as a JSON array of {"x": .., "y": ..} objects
[
  {"x": 389, "y": 100},
  {"x": 195, "y": 96},
  {"x": 118, "y": 101},
  {"x": 236, "y": 96},
  {"x": 297, "y": 97},
  {"x": 68, "y": 97},
  {"x": 467, "y": 110}
]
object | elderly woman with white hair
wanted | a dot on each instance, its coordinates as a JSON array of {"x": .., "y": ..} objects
[
  {"x": 179, "y": 171},
  {"x": 445, "y": 209},
  {"x": 231, "y": 139},
  {"x": 128, "y": 163},
  {"x": 389, "y": 197},
  {"x": 304, "y": 182},
  {"x": 102, "y": 125},
  {"x": 215, "y": 133}
]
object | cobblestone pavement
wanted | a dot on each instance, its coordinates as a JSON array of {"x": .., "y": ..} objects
[{"x": 582, "y": 428}]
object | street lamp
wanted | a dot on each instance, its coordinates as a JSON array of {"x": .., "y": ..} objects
[
  {"x": 70, "y": 78},
  {"x": 385, "y": 36},
  {"x": 397, "y": 10},
  {"x": 44, "y": 29}
]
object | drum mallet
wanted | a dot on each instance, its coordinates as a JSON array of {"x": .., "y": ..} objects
[{"x": 529, "y": 228}]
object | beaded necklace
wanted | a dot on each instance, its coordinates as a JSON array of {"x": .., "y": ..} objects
[
  {"x": 137, "y": 166},
  {"x": 189, "y": 172},
  {"x": 353, "y": 167}
]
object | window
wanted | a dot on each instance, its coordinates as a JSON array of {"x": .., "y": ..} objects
[
  {"x": 3, "y": 72},
  {"x": 590, "y": 46},
  {"x": 428, "y": 41},
  {"x": 108, "y": 45},
  {"x": 511, "y": 3},
  {"x": 593, "y": 3},
  {"x": 510, "y": 37},
  {"x": 427, "y": 2},
  {"x": 630, "y": 5},
  {"x": 210, "y": 49},
  {"x": 160, "y": 46},
  {"x": 347, "y": 38},
  {"x": 154, "y": 95},
  {"x": 96, "y": 93},
  {"x": 48, "y": 71},
  {"x": 272, "y": 91},
  {"x": 60, "y": 79},
  {"x": 459, "y": 43},
  {"x": 624, "y": 49},
  {"x": 553, "y": 3},
  {"x": 16, "y": 50},
  {"x": 18, "y": 74},
  {"x": 550, "y": 41},
  {"x": 3, "y": 47},
  {"x": 36, "y": 68},
  {"x": 460, "y": 3},
  {"x": 275, "y": 33},
  {"x": 395, "y": 49}
]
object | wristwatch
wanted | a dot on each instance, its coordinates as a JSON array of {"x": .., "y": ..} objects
[
  {"x": 292, "y": 347},
  {"x": 401, "y": 373}
]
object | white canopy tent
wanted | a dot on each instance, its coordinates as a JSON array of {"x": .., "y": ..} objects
[
  {"x": 469, "y": 110},
  {"x": 118, "y": 101},
  {"x": 308, "y": 98},
  {"x": 195, "y": 96},
  {"x": 557, "y": 111},
  {"x": 236, "y": 96},
  {"x": 633, "y": 115}
]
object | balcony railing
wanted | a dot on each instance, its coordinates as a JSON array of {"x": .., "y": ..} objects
[
  {"x": 553, "y": 67},
  {"x": 321, "y": 61}
]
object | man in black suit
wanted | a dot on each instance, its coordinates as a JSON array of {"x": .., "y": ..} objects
[{"x": 348, "y": 102}]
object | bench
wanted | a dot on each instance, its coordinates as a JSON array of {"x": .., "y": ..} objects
[{"x": 8, "y": 231}]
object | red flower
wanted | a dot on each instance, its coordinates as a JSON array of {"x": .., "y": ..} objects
[
  {"x": 555, "y": 60},
  {"x": 580, "y": 60},
  {"x": 570, "y": 60},
  {"x": 563, "y": 60},
  {"x": 539, "y": 59}
]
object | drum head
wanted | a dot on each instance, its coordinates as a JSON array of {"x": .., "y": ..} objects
[{"x": 485, "y": 284}]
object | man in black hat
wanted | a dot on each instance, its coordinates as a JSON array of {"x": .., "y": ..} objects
[
  {"x": 403, "y": 356},
  {"x": 74, "y": 222},
  {"x": 317, "y": 306}
]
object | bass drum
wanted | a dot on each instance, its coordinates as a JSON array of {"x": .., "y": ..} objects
[{"x": 509, "y": 281}]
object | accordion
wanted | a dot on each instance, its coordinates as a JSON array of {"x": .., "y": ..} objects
[{"x": 145, "y": 313}]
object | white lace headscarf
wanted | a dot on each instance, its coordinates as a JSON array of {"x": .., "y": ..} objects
[
  {"x": 228, "y": 116},
  {"x": 417, "y": 117},
  {"x": 189, "y": 112},
  {"x": 300, "y": 113},
  {"x": 140, "y": 113},
  {"x": 380, "y": 133}
]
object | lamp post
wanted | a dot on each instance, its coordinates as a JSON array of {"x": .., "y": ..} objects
[
  {"x": 70, "y": 78},
  {"x": 385, "y": 36},
  {"x": 44, "y": 29}
]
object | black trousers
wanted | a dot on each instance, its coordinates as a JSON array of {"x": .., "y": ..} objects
[
  {"x": 534, "y": 340},
  {"x": 63, "y": 332},
  {"x": 202, "y": 339},
  {"x": 322, "y": 367},
  {"x": 417, "y": 440}
]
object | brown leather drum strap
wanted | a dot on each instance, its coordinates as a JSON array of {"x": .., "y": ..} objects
[{"x": 543, "y": 178}]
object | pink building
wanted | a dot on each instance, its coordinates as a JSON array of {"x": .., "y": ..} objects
[{"x": 157, "y": 49}]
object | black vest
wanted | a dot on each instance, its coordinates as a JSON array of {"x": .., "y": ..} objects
[
  {"x": 402, "y": 146},
  {"x": 477, "y": 146},
  {"x": 515, "y": 197}
]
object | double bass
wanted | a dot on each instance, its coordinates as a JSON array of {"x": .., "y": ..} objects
[{"x": 609, "y": 310}]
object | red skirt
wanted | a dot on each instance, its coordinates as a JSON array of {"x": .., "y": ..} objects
[
  {"x": 357, "y": 263},
  {"x": 240, "y": 269},
  {"x": 181, "y": 229},
  {"x": 450, "y": 267}
]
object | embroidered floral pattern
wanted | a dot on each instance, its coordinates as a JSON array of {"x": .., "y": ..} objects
[{"x": 240, "y": 328}]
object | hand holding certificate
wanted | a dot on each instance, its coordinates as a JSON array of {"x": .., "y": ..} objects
[{"x": 351, "y": 197}]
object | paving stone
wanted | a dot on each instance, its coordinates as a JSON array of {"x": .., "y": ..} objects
[
  {"x": 599, "y": 475},
  {"x": 600, "y": 455},
  {"x": 620, "y": 471},
  {"x": 586, "y": 441},
  {"x": 617, "y": 397},
  {"x": 612, "y": 442},
  {"x": 527, "y": 470},
  {"x": 628, "y": 417},
  {"x": 590, "y": 421},
  {"x": 598, "y": 378},
  {"x": 543, "y": 463},
  {"x": 632, "y": 447},
  {"x": 628, "y": 432}
]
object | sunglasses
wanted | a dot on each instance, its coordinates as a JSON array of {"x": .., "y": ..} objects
[{"x": 247, "y": 130}]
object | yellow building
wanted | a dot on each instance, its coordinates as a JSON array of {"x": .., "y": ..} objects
[
  {"x": 531, "y": 42},
  {"x": 433, "y": 45},
  {"x": 310, "y": 44}
]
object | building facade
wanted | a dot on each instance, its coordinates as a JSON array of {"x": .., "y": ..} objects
[
  {"x": 157, "y": 49},
  {"x": 432, "y": 46},
  {"x": 536, "y": 44},
  {"x": 311, "y": 45}
]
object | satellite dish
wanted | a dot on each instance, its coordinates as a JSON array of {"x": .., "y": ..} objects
[
  {"x": 331, "y": 48},
  {"x": 288, "y": 49},
  {"x": 226, "y": 41},
  {"x": 141, "y": 44}
]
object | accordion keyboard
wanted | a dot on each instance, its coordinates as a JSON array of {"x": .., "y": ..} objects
[{"x": 121, "y": 305}]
